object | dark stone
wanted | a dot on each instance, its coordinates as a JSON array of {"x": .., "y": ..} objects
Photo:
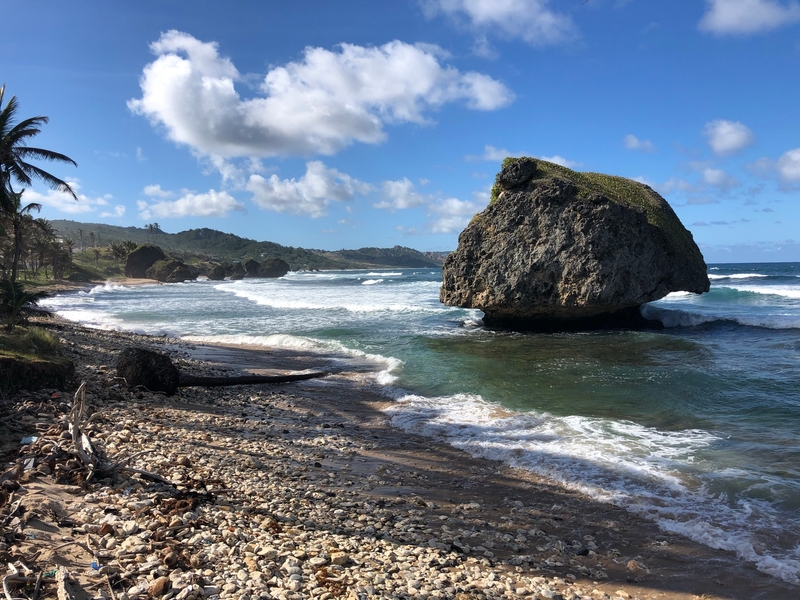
[
  {"x": 273, "y": 267},
  {"x": 562, "y": 250},
  {"x": 142, "y": 259},
  {"x": 153, "y": 370},
  {"x": 251, "y": 266},
  {"x": 171, "y": 271},
  {"x": 217, "y": 273},
  {"x": 235, "y": 271}
]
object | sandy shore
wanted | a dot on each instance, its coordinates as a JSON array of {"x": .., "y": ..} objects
[{"x": 304, "y": 490}]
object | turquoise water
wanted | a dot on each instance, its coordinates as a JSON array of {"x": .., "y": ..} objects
[{"x": 695, "y": 426}]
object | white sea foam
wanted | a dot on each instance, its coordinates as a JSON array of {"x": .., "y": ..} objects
[
  {"x": 385, "y": 301},
  {"x": 108, "y": 287},
  {"x": 93, "y": 318},
  {"x": 639, "y": 468},
  {"x": 387, "y": 365},
  {"x": 371, "y": 281},
  {"x": 687, "y": 318},
  {"x": 737, "y": 276},
  {"x": 772, "y": 290},
  {"x": 398, "y": 274}
]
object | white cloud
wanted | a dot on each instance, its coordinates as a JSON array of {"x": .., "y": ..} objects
[
  {"x": 155, "y": 191},
  {"x": 492, "y": 154},
  {"x": 209, "y": 204},
  {"x": 309, "y": 195},
  {"x": 119, "y": 211},
  {"x": 763, "y": 167},
  {"x": 560, "y": 160},
  {"x": 674, "y": 184},
  {"x": 529, "y": 20},
  {"x": 634, "y": 143},
  {"x": 645, "y": 181},
  {"x": 452, "y": 215},
  {"x": 322, "y": 103},
  {"x": 63, "y": 202},
  {"x": 398, "y": 195},
  {"x": 140, "y": 155},
  {"x": 727, "y": 137},
  {"x": 719, "y": 179},
  {"x": 789, "y": 166},
  {"x": 483, "y": 48},
  {"x": 748, "y": 16}
]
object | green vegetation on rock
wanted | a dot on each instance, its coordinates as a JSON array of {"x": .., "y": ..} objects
[
  {"x": 623, "y": 191},
  {"x": 30, "y": 358}
]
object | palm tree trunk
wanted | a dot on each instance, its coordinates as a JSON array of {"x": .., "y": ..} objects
[{"x": 17, "y": 249}]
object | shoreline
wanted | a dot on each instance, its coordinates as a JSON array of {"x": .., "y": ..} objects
[{"x": 321, "y": 460}]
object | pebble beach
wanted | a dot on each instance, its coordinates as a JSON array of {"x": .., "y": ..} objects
[{"x": 304, "y": 490}]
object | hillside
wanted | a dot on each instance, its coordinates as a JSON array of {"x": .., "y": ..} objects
[{"x": 210, "y": 244}]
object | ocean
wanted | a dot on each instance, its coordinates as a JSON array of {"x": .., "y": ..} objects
[{"x": 696, "y": 427}]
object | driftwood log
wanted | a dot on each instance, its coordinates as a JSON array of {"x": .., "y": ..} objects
[
  {"x": 155, "y": 372},
  {"x": 188, "y": 380}
]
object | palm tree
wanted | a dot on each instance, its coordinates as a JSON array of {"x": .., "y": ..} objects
[
  {"x": 16, "y": 303},
  {"x": 15, "y": 152},
  {"x": 20, "y": 219}
]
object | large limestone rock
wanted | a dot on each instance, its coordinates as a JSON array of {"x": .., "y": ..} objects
[
  {"x": 170, "y": 270},
  {"x": 217, "y": 273},
  {"x": 251, "y": 266},
  {"x": 142, "y": 259},
  {"x": 273, "y": 267},
  {"x": 557, "y": 249}
]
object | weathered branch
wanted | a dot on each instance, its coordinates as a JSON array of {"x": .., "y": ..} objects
[{"x": 188, "y": 380}]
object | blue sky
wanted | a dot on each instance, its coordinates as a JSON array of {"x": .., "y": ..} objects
[{"x": 359, "y": 123}]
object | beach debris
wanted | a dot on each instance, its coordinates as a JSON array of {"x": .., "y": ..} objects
[
  {"x": 152, "y": 370},
  {"x": 243, "y": 514},
  {"x": 156, "y": 373},
  {"x": 191, "y": 381}
]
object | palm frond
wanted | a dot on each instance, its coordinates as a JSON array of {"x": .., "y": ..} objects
[
  {"x": 48, "y": 179},
  {"x": 27, "y": 152}
]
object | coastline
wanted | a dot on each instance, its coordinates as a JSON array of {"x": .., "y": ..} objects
[{"x": 320, "y": 465}]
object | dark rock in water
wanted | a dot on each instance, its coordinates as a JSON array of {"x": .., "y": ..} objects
[
  {"x": 251, "y": 266},
  {"x": 273, "y": 267},
  {"x": 558, "y": 249},
  {"x": 217, "y": 273},
  {"x": 171, "y": 271},
  {"x": 142, "y": 259},
  {"x": 150, "y": 369}
]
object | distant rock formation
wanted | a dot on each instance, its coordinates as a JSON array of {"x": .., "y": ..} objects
[
  {"x": 251, "y": 266},
  {"x": 141, "y": 259},
  {"x": 273, "y": 267},
  {"x": 170, "y": 270},
  {"x": 558, "y": 249},
  {"x": 217, "y": 273},
  {"x": 235, "y": 271}
]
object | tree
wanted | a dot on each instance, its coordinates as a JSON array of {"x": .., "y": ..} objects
[
  {"x": 15, "y": 154},
  {"x": 16, "y": 303},
  {"x": 20, "y": 220}
]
